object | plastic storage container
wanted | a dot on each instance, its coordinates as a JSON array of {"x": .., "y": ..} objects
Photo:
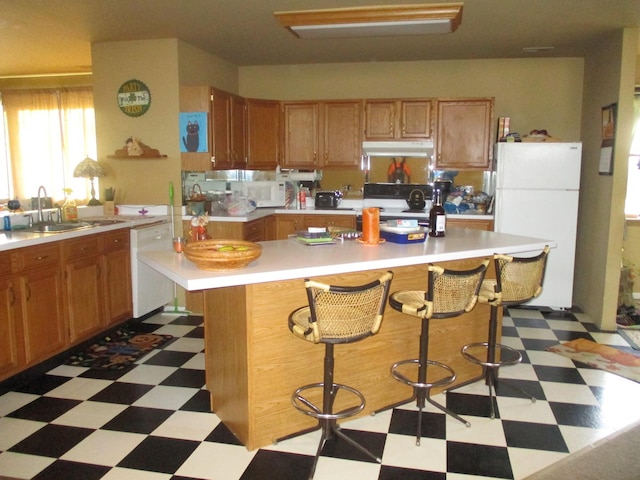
[{"x": 403, "y": 235}]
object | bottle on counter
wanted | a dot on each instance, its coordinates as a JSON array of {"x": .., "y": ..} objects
[
  {"x": 69, "y": 208},
  {"x": 437, "y": 216}
]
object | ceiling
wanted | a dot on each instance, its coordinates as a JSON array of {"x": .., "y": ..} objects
[{"x": 54, "y": 36}]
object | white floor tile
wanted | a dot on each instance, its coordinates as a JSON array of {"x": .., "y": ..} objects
[
  {"x": 197, "y": 362},
  {"x": 147, "y": 374},
  {"x": 169, "y": 398},
  {"x": 525, "y": 462},
  {"x": 186, "y": 344},
  {"x": 549, "y": 359},
  {"x": 104, "y": 447},
  {"x": 401, "y": 451},
  {"x": 610, "y": 338},
  {"x": 175, "y": 330},
  {"x": 90, "y": 414},
  {"x": 67, "y": 371},
  {"x": 483, "y": 431},
  {"x": 19, "y": 465},
  {"x": 188, "y": 425},
  {"x": 568, "y": 393},
  {"x": 79, "y": 388},
  {"x": 15, "y": 430},
  {"x": 578, "y": 438},
  {"x": 12, "y": 401},
  {"x": 519, "y": 371},
  {"x": 216, "y": 461},
  {"x": 339, "y": 469},
  {"x": 129, "y": 474},
  {"x": 568, "y": 325},
  {"x": 525, "y": 313},
  {"x": 536, "y": 333},
  {"x": 524, "y": 410}
]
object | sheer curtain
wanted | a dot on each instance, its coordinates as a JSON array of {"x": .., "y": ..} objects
[
  {"x": 632, "y": 203},
  {"x": 49, "y": 133}
]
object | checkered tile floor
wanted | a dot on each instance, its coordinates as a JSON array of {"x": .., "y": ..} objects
[{"x": 152, "y": 422}]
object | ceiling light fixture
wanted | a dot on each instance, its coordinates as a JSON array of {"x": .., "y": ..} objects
[{"x": 373, "y": 21}]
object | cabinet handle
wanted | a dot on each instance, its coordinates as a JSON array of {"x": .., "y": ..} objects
[
  {"x": 213, "y": 160},
  {"x": 42, "y": 257},
  {"x": 391, "y": 128}
]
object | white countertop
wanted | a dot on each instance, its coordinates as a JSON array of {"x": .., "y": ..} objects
[
  {"x": 10, "y": 240},
  {"x": 288, "y": 259}
]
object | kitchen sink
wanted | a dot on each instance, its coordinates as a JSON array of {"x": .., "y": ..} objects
[{"x": 66, "y": 227}]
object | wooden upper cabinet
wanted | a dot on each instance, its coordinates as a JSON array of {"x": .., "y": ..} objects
[
  {"x": 196, "y": 99},
  {"x": 464, "y": 134},
  {"x": 263, "y": 134},
  {"x": 398, "y": 119},
  {"x": 342, "y": 133},
  {"x": 301, "y": 134},
  {"x": 221, "y": 129},
  {"x": 238, "y": 122}
]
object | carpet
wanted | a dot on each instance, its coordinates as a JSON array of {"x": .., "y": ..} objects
[
  {"x": 118, "y": 350},
  {"x": 601, "y": 356},
  {"x": 631, "y": 336}
]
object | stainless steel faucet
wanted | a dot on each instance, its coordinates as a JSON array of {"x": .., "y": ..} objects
[{"x": 40, "y": 215}]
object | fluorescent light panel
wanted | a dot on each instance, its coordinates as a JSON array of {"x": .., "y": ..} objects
[{"x": 373, "y": 21}]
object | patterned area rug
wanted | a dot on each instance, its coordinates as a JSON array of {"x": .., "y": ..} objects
[
  {"x": 600, "y": 356},
  {"x": 117, "y": 350},
  {"x": 631, "y": 336}
]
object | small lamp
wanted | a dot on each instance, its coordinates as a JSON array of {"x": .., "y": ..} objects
[{"x": 89, "y": 168}]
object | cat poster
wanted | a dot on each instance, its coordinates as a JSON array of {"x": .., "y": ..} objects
[{"x": 193, "y": 132}]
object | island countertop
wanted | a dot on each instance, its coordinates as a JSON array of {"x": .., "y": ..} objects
[{"x": 288, "y": 259}]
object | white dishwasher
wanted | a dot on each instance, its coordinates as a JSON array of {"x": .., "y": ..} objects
[{"x": 150, "y": 289}]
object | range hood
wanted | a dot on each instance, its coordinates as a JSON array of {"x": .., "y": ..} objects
[{"x": 398, "y": 149}]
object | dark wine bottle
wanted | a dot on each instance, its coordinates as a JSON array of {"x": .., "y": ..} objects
[{"x": 437, "y": 217}]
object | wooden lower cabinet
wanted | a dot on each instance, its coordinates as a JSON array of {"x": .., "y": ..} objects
[
  {"x": 58, "y": 294},
  {"x": 290, "y": 223},
  {"x": 480, "y": 224}
]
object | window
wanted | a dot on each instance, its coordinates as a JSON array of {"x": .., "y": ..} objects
[
  {"x": 632, "y": 204},
  {"x": 46, "y": 134}
]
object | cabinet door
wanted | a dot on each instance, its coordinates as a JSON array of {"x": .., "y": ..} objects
[
  {"x": 41, "y": 298},
  {"x": 238, "y": 132},
  {"x": 83, "y": 287},
  {"x": 315, "y": 220},
  {"x": 220, "y": 129},
  {"x": 473, "y": 224},
  {"x": 287, "y": 224},
  {"x": 301, "y": 134},
  {"x": 464, "y": 134},
  {"x": 116, "y": 274},
  {"x": 415, "y": 119},
  {"x": 11, "y": 347},
  {"x": 196, "y": 99},
  {"x": 253, "y": 231},
  {"x": 342, "y": 133},
  {"x": 380, "y": 120},
  {"x": 263, "y": 134}
]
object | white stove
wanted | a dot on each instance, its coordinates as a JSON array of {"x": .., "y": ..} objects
[{"x": 391, "y": 199}]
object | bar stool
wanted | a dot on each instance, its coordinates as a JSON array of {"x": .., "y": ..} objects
[
  {"x": 518, "y": 280},
  {"x": 336, "y": 315},
  {"x": 449, "y": 294}
]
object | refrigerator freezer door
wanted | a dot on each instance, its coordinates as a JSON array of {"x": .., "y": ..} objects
[
  {"x": 550, "y": 215},
  {"x": 539, "y": 165}
]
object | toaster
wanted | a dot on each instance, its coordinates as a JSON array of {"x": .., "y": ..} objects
[{"x": 328, "y": 199}]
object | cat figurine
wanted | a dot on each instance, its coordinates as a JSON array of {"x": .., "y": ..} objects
[{"x": 192, "y": 140}]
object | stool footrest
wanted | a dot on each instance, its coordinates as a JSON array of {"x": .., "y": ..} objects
[
  {"x": 304, "y": 405},
  {"x": 508, "y": 355},
  {"x": 416, "y": 384}
]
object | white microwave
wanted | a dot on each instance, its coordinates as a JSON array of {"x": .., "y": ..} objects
[{"x": 264, "y": 193}]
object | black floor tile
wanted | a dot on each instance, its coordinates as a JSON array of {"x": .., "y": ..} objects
[
  {"x": 529, "y": 322},
  {"x": 221, "y": 434},
  {"x": 567, "y": 336},
  {"x": 51, "y": 440},
  {"x": 558, "y": 374},
  {"x": 106, "y": 373},
  {"x": 200, "y": 402},
  {"x": 405, "y": 422},
  {"x": 168, "y": 358},
  {"x": 537, "y": 344},
  {"x": 159, "y": 454},
  {"x": 266, "y": 464},
  {"x": 509, "y": 332},
  {"x": 197, "y": 332},
  {"x": 398, "y": 473},
  {"x": 481, "y": 460},
  {"x": 43, "y": 384},
  {"x": 510, "y": 388},
  {"x": 195, "y": 320},
  {"x": 61, "y": 469},
  {"x": 576, "y": 415},
  {"x": 534, "y": 436},
  {"x": 471, "y": 405},
  {"x": 337, "y": 447},
  {"x": 138, "y": 420},
  {"x": 120, "y": 392},
  {"x": 44, "y": 409},
  {"x": 185, "y": 377}
]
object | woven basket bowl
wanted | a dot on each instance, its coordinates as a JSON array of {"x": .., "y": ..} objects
[{"x": 207, "y": 256}]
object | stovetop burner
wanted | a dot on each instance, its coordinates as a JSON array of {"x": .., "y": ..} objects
[{"x": 411, "y": 210}]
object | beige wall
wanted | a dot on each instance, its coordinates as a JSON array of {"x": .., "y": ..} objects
[
  {"x": 535, "y": 93},
  {"x": 609, "y": 78},
  {"x": 631, "y": 247}
]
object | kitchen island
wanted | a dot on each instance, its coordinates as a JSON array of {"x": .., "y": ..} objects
[{"x": 253, "y": 363}]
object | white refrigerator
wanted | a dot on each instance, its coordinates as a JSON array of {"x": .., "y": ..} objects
[{"x": 537, "y": 192}]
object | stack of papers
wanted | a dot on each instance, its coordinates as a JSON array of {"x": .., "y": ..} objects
[{"x": 314, "y": 238}]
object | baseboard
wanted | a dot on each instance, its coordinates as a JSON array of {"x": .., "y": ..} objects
[{"x": 175, "y": 309}]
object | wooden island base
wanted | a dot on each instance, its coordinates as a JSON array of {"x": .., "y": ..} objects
[{"x": 254, "y": 363}]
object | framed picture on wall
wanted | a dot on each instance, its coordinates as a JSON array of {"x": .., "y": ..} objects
[
  {"x": 193, "y": 132},
  {"x": 608, "y": 139}
]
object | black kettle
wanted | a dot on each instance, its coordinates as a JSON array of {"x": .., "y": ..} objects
[{"x": 416, "y": 200}]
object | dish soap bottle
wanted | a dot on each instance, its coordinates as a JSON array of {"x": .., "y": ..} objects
[
  {"x": 437, "y": 216},
  {"x": 69, "y": 208}
]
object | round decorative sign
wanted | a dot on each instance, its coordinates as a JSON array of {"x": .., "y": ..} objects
[{"x": 134, "y": 98}]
